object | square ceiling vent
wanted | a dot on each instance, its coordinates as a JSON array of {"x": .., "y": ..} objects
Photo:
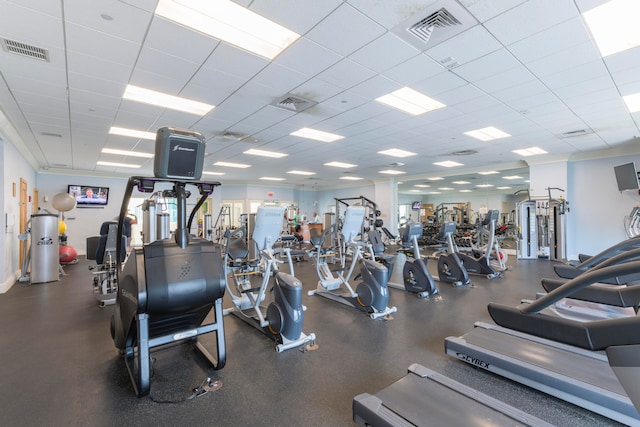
[
  {"x": 439, "y": 22},
  {"x": 293, "y": 103},
  {"x": 24, "y": 49}
]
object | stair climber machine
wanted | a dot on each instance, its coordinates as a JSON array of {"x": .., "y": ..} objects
[
  {"x": 283, "y": 318},
  {"x": 371, "y": 294},
  {"x": 479, "y": 262},
  {"x": 416, "y": 278},
  {"x": 450, "y": 267},
  {"x": 167, "y": 288}
]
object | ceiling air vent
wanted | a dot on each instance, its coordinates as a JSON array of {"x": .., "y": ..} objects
[
  {"x": 293, "y": 103},
  {"x": 574, "y": 133},
  {"x": 24, "y": 49},
  {"x": 435, "y": 24},
  {"x": 464, "y": 153}
]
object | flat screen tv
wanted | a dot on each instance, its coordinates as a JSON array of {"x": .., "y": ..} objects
[
  {"x": 416, "y": 206},
  {"x": 89, "y": 195},
  {"x": 626, "y": 176}
]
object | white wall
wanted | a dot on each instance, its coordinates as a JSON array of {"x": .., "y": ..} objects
[
  {"x": 597, "y": 207},
  {"x": 14, "y": 168}
]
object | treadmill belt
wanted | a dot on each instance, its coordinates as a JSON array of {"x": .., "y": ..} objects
[{"x": 598, "y": 373}]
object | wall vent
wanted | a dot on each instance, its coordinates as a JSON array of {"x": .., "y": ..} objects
[
  {"x": 24, "y": 49},
  {"x": 433, "y": 25},
  {"x": 293, "y": 103}
]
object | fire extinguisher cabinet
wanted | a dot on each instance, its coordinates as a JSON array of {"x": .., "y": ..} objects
[{"x": 45, "y": 248}]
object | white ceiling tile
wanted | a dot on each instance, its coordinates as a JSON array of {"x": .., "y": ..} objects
[
  {"x": 530, "y": 18},
  {"x": 487, "y": 66},
  {"x": 396, "y": 52},
  {"x": 279, "y": 80},
  {"x": 307, "y": 57},
  {"x": 296, "y": 15},
  {"x": 440, "y": 83},
  {"x": 460, "y": 94},
  {"x": 414, "y": 69},
  {"x": 93, "y": 43},
  {"x": 389, "y": 14},
  {"x": 361, "y": 30},
  {"x": 506, "y": 79},
  {"x": 171, "y": 39},
  {"x": 577, "y": 55},
  {"x": 484, "y": 10},
  {"x": 346, "y": 73},
  {"x": 465, "y": 47}
]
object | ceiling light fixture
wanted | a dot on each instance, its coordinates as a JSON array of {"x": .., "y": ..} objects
[
  {"x": 422, "y": 185},
  {"x": 461, "y": 182},
  {"x": 127, "y": 153},
  {"x": 351, "y": 178},
  {"x": 296, "y": 172},
  {"x": 396, "y": 152},
  {"x": 487, "y": 134},
  {"x": 633, "y": 102},
  {"x": 503, "y": 188},
  {"x": 410, "y": 101},
  {"x": 118, "y": 165},
  {"x": 484, "y": 185},
  {"x": 465, "y": 191},
  {"x": 114, "y": 130},
  {"x": 445, "y": 188},
  {"x": 392, "y": 172},
  {"x": 512, "y": 177},
  {"x": 488, "y": 172},
  {"x": 340, "y": 165},
  {"x": 213, "y": 173},
  {"x": 270, "y": 178},
  {"x": 230, "y": 22},
  {"x": 614, "y": 25},
  {"x": 147, "y": 96},
  {"x": 532, "y": 151},
  {"x": 265, "y": 153},
  {"x": 448, "y": 164},
  {"x": 317, "y": 135},
  {"x": 436, "y": 178},
  {"x": 232, "y": 165}
]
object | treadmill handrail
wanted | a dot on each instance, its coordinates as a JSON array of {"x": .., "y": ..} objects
[
  {"x": 601, "y": 256},
  {"x": 580, "y": 282}
]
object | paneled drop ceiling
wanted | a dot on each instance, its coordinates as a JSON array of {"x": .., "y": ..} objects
[{"x": 528, "y": 68}]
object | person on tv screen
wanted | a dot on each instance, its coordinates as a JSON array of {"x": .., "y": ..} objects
[{"x": 89, "y": 196}]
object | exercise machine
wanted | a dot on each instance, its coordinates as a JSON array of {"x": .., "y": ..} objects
[
  {"x": 103, "y": 252},
  {"x": 426, "y": 398},
  {"x": 167, "y": 288},
  {"x": 282, "y": 319},
  {"x": 371, "y": 294},
  {"x": 416, "y": 277},
  {"x": 450, "y": 266},
  {"x": 562, "y": 357},
  {"x": 478, "y": 262}
]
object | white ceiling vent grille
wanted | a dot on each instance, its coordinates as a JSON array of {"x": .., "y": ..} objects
[
  {"x": 577, "y": 132},
  {"x": 24, "y": 49},
  {"x": 435, "y": 24},
  {"x": 424, "y": 28},
  {"x": 293, "y": 103}
]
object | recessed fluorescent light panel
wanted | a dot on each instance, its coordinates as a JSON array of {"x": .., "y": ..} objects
[
  {"x": 461, "y": 182},
  {"x": 351, "y": 178},
  {"x": 118, "y": 165},
  {"x": 270, "y": 178},
  {"x": 295, "y": 172},
  {"x": 445, "y": 188},
  {"x": 448, "y": 164},
  {"x": 232, "y": 165},
  {"x": 487, "y": 134},
  {"x": 434, "y": 192},
  {"x": 435, "y": 178},
  {"x": 213, "y": 173},
  {"x": 340, "y": 165},
  {"x": 392, "y": 172},
  {"x": 415, "y": 191},
  {"x": 633, "y": 102},
  {"x": 503, "y": 188},
  {"x": 264, "y": 153},
  {"x": 512, "y": 177},
  {"x": 126, "y": 153},
  {"x": 614, "y": 25},
  {"x": 396, "y": 152},
  {"x": 159, "y": 99},
  {"x": 488, "y": 173},
  {"x": 484, "y": 185},
  {"x": 132, "y": 133},
  {"x": 230, "y": 22},
  {"x": 410, "y": 101},
  {"x": 532, "y": 151},
  {"x": 316, "y": 135},
  {"x": 465, "y": 191},
  {"x": 422, "y": 185}
]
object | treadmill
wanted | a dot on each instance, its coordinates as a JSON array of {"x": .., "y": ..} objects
[
  {"x": 425, "y": 398},
  {"x": 575, "y": 361}
]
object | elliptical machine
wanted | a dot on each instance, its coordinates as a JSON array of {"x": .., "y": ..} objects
[
  {"x": 282, "y": 319},
  {"x": 415, "y": 275},
  {"x": 479, "y": 262},
  {"x": 450, "y": 266},
  {"x": 168, "y": 287},
  {"x": 371, "y": 295}
]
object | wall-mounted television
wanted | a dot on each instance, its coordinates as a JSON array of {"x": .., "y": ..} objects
[
  {"x": 416, "y": 206},
  {"x": 626, "y": 177},
  {"x": 89, "y": 195}
]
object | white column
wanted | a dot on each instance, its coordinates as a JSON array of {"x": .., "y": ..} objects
[{"x": 386, "y": 197}]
